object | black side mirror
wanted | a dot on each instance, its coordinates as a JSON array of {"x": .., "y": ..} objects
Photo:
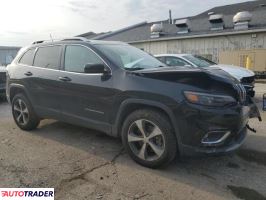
[{"x": 95, "y": 69}]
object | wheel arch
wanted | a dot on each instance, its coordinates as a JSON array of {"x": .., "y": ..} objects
[
  {"x": 15, "y": 89},
  {"x": 130, "y": 105}
]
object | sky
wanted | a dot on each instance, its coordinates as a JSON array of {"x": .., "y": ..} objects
[{"x": 25, "y": 21}]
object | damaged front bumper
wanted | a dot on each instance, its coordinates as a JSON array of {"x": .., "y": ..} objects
[
  {"x": 254, "y": 111},
  {"x": 215, "y": 131}
]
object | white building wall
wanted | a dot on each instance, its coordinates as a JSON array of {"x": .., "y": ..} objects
[{"x": 206, "y": 46}]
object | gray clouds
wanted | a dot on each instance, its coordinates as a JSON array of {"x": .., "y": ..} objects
[{"x": 64, "y": 18}]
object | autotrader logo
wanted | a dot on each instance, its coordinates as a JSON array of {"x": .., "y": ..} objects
[{"x": 26, "y": 193}]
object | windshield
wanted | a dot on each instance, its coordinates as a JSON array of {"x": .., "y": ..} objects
[
  {"x": 205, "y": 59},
  {"x": 129, "y": 57},
  {"x": 199, "y": 61}
]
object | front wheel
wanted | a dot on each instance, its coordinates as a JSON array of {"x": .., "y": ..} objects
[
  {"x": 149, "y": 138},
  {"x": 23, "y": 113}
]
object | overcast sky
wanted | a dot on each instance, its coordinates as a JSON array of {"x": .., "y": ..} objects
[{"x": 24, "y": 21}]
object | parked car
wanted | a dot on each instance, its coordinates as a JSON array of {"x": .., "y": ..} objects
[
  {"x": 245, "y": 76},
  {"x": 120, "y": 90},
  {"x": 2, "y": 80}
]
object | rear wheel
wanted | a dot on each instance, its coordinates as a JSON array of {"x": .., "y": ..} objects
[
  {"x": 149, "y": 138},
  {"x": 23, "y": 113}
]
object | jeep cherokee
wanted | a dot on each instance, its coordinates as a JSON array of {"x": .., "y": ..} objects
[{"x": 158, "y": 111}]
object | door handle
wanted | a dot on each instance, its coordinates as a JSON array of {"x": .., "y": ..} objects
[
  {"x": 28, "y": 74},
  {"x": 65, "y": 79}
]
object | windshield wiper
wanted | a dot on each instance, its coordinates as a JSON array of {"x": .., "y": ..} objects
[{"x": 134, "y": 69}]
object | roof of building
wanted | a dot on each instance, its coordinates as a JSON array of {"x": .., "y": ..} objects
[
  {"x": 9, "y": 48},
  {"x": 199, "y": 24},
  {"x": 91, "y": 34}
]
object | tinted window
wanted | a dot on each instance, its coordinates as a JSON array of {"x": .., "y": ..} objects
[
  {"x": 173, "y": 61},
  {"x": 48, "y": 57},
  {"x": 27, "y": 58},
  {"x": 76, "y": 57}
]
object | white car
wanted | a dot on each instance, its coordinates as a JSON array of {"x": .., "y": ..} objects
[
  {"x": 245, "y": 76},
  {"x": 2, "y": 80}
]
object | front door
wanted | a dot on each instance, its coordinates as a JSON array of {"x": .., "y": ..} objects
[{"x": 85, "y": 98}]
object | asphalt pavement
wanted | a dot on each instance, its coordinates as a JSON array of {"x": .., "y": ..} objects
[{"x": 85, "y": 164}]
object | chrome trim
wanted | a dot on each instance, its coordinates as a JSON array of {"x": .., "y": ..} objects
[
  {"x": 58, "y": 70},
  {"x": 96, "y": 111},
  {"x": 223, "y": 138},
  {"x": 36, "y": 49},
  {"x": 248, "y": 86}
]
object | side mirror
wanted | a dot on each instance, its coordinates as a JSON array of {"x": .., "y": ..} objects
[
  {"x": 187, "y": 65},
  {"x": 95, "y": 69}
]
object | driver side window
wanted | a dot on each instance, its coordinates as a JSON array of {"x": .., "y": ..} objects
[
  {"x": 173, "y": 61},
  {"x": 76, "y": 57}
]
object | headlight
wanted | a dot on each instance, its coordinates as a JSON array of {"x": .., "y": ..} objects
[{"x": 209, "y": 99}]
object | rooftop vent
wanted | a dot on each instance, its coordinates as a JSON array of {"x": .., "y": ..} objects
[
  {"x": 241, "y": 20},
  {"x": 183, "y": 25},
  {"x": 156, "y": 30},
  {"x": 217, "y": 22}
]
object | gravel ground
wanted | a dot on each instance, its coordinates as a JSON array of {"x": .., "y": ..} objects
[{"x": 84, "y": 164}]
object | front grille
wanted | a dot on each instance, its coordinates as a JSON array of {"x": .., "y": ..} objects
[
  {"x": 2, "y": 77},
  {"x": 242, "y": 94}
]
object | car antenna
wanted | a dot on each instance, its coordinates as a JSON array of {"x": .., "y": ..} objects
[{"x": 51, "y": 37}]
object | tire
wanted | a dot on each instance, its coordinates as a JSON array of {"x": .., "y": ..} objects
[
  {"x": 155, "y": 124},
  {"x": 23, "y": 113}
]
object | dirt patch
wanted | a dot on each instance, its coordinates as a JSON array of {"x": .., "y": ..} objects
[
  {"x": 233, "y": 165},
  {"x": 252, "y": 156},
  {"x": 245, "y": 193}
]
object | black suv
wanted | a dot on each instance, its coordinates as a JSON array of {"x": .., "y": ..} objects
[{"x": 120, "y": 90}]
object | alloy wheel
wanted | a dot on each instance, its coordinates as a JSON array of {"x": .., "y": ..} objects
[
  {"x": 146, "y": 140},
  {"x": 21, "y": 112}
]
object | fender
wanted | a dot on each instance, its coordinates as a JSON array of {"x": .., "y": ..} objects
[
  {"x": 15, "y": 85},
  {"x": 129, "y": 102}
]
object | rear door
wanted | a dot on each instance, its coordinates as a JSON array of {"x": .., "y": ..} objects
[
  {"x": 86, "y": 98},
  {"x": 44, "y": 83}
]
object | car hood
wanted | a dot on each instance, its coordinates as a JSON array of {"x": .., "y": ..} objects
[
  {"x": 175, "y": 73},
  {"x": 3, "y": 69},
  {"x": 235, "y": 71}
]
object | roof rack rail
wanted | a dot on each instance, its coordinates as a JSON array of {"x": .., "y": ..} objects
[
  {"x": 38, "y": 42},
  {"x": 63, "y": 39}
]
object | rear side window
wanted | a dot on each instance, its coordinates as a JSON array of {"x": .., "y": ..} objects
[
  {"x": 76, "y": 57},
  {"x": 48, "y": 57},
  {"x": 27, "y": 58}
]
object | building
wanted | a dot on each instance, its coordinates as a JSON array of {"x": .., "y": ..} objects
[
  {"x": 221, "y": 29},
  {"x": 7, "y": 54}
]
